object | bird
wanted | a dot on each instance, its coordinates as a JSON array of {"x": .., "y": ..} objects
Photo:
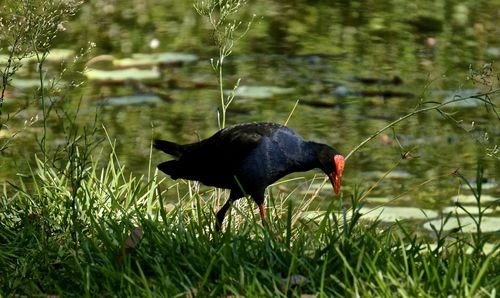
[{"x": 247, "y": 158}]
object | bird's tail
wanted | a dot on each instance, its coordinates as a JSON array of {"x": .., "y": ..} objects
[
  {"x": 171, "y": 168},
  {"x": 168, "y": 147}
]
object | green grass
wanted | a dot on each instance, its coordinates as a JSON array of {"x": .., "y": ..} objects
[{"x": 64, "y": 232}]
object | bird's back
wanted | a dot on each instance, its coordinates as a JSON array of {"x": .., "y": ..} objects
[{"x": 215, "y": 161}]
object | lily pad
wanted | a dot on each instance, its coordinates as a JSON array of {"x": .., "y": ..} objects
[
  {"x": 121, "y": 75},
  {"x": 343, "y": 91},
  {"x": 379, "y": 200},
  {"x": 396, "y": 174},
  {"x": 487, "y": 248},
  {"x": 467, "y": 224},
  {"x": 484, "y": 185},
  {"x": 318, "y": 216},
  {"x": 466, "y": 103},
  {"x": 260, "y": 91},
  {"x": 493, "y": 52},
  {"x": 19, "y": 83},
  {"x": 154, "y": 59},
  {"x": 470, "y": 209},
  {"x": 4, "y": 59},
  {"x": 131, "y": 100},
  {"x": 390, "y": 214},
  {"x": 57, "y": 55},
  {"x": 463, "y": 99},
  {"x": 471, "y": 199},
  {"x": 5, "y": 134},
  {"x": 460, "y": 14},
  {"x": 312, "y": 215}
]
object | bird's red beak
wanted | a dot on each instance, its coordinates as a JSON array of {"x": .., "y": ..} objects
[{"x": 336, "y": 177}]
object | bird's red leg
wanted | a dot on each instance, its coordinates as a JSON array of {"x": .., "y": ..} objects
[{"x": 262, "y": 210}]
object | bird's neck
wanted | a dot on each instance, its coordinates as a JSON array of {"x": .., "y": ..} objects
[{"x": 309, "y": 156}]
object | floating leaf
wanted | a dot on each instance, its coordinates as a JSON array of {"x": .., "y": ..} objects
[
  {"x": 4, "y": 59},
  {"x": 392, "y": 175},
  {"x": 57, "y": 55},
  {"x": 463, "y": 99},
  {"x": 343, "y": 91},
  {"x": 54, "y": 55},
  {"x": 487, "y": 248},
  {"x": 131, "y": 100},
  {"x": 396, "y": 174},
  {"x": 121, "y": 75},
  {"x": 5, "y": 134},
  {"x": 470, "y": 209},
  {"x": 460, "y": 14},
  {"x": 467, "y": 224},
  {"x": 312, "y": 215},
  {"x": 466, "y": 103},
  {"x": 318, "y": 216},
  {"x": 154, "y": 59},
  {"x": 379, "y": 200},
  {"x": 259, "y": 91},
  {"x": 390, "y": 214},
  {"x": 19, "y": 83},
  {"x": 471, "y": 199},
  {"x": 493, "y": 52},
  {"x": 484, "y": 185}
]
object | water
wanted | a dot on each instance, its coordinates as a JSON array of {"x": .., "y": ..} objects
[{"x": 352, "y": 66}]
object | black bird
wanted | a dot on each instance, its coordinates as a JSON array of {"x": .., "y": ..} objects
[{"x": 246, "y": 158}]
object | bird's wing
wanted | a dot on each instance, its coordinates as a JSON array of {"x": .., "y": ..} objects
[
  {"x": 245, "y": 137},
  {"x": 230, "y": 146}
]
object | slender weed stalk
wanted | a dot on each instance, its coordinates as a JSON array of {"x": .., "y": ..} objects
[
  {"x": 29, "y": 29},
  {"x": 226, "y": 32},
  {"x": 479, "y": 238},
  {"x": 483, "y": 97}
]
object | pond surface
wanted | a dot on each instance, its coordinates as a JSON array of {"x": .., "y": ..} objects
[{"x": 352, "y": 66}]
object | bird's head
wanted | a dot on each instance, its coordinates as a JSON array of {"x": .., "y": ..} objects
[{"x": 332, "y": 163}]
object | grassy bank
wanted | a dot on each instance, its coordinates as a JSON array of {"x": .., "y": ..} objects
[{"x": 93, "y": 231}]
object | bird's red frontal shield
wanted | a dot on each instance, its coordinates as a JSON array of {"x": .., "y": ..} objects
[{"x": 336, "y": 177}]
